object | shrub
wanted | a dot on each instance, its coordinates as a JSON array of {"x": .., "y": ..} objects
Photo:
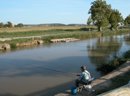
[
  {"x": 13, "y": 46},
  {"x": 127, "y": 55},
  {"x": 112, "y": 65}
]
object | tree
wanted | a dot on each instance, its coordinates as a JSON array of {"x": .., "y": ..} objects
[
  {"x": 1, "y": 25},
  {"x": 127, "y": 20},
  {"x": 19, "y": 25},
  {"x": 115, "y": 19},
  {"x": 9, "y": 24},
  {"x": 100, "y": 12},
  {"x": 89, "y": 21}
]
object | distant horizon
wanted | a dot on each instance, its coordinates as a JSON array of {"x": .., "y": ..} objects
[
  {"x": 55, "y": 23},
  {"x": 53, "y": 11}
]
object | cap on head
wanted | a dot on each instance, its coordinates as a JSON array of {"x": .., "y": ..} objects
[{"x": 83, "y": 67}]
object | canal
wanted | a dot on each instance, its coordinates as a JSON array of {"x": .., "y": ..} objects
[{"x": 48, "y": 69}]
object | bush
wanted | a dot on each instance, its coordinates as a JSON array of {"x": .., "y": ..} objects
[
  {"x": 13, "y": 46},
  {"x": 112, "y": 65},
  {"x": 47, "y": 40},
  {"x": 106, "y": 68},
  {"x": 127, "y": 55},
  {"x": 84, "y": 29}
]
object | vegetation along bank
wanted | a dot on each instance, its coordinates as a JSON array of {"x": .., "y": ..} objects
[{"x": 29, "y": 38}]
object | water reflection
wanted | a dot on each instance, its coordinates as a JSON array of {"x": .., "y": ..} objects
[
  {"x": 46, "y": 68},
  {"x": 28, "y": 67},
  {"x": 127, "y": 39},
  {"x": 33, "y": 70},
  {"x": 104, "y": 49}
]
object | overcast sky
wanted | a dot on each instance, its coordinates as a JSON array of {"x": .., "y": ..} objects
[{"x": 53, "y": 11}]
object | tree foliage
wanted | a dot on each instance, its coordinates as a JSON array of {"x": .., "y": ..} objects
[
  {"x": 19, "y": 25},
  {"x": 127, "y": 20},
  {"x": 89, "y": 21},
  {"x": 9, "y": 24},
  {"x": 1, "y": 25},
  {"x": 115, "y": 19},
  {"x": 100, "y": 12}
]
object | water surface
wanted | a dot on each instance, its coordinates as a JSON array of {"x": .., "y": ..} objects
[{"x": 50, "y": 67}]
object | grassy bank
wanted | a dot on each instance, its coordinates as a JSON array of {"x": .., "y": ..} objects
[
  {"x": 43, "y": 28},
  {"x": 38, "y": 32},
  {"x": 36, "y": 28},
  {"x": 79, "y": 32},
  {"x": 47, "y": 35}
]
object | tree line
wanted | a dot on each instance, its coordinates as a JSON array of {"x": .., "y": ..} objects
[
  {"x": 102, "y": 15},
  {"x": 10, "y": 25}
]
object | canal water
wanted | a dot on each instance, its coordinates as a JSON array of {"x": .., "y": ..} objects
[{"x": 49, "y": 69}]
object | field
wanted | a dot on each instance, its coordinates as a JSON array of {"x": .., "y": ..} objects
[
  {"x": 42, "y": 31},
  {"x": 46, "y": 33},
  {"x": 39, "y": 28}
]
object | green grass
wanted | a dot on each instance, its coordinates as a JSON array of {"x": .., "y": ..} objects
[
  {"x": 14, "y": 42},
  {"x": 29, "y": 33},
  {"x": 47, "y": 35},
  {"x": 61, "y": 31},
  {"x": 118, "y": 32}
]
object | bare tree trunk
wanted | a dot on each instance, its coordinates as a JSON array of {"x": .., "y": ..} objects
[{"x": 99, "y": 28}]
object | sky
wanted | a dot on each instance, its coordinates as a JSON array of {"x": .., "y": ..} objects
[{"x": 53, "y": 11}]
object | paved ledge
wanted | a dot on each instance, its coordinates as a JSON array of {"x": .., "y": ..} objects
[
  {"x": 105, "y": 81},
  {"x": 122, "y": 91}
]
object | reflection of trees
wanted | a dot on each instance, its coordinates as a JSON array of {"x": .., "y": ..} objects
[
  {"x": 127, "y": 39},
  {"x": 103, "y": 49}
]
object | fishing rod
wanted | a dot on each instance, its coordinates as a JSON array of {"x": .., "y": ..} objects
[
  {"x": 60, "y": 71},
  {"x": 64, "y": 73}
]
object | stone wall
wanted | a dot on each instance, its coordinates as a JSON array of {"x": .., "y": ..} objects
[
  {"x": 31, "y": 43},
  {"x": 5, "y": 46},
  {"x": 122, "y": 91}
]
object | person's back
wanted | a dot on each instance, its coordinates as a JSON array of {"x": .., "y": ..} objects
[
  {"x": 84, "y": 81},
  {"x": 84, "y": 76}
]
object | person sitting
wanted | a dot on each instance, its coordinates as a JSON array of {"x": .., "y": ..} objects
[{"x": 84, "y": 77}]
